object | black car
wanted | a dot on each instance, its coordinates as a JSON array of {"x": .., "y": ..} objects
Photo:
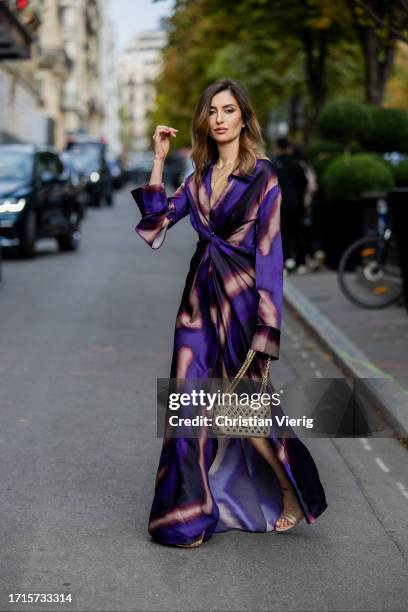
[
  {"x": 37, "y": 199},
  {"x": 88, "y": 157},
  {"x": 174, "y": 169},
  {"x": 117, "y": 172},
  {"x": 138, "y": 167},
  {"x": 78, "y": 182}
]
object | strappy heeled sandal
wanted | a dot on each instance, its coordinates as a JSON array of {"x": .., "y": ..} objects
[
  {"x": 193, "y": 545},
  {"x": 289, "y": 516}
]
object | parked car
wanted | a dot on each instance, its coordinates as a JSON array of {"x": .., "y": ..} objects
[
  {"x": 117, "y": 172},
  {"x": 89, "y": 158},
  {"x": 173, "y": 170},
  {"x": 138, "y": 167},
  {"x": 37, "y": 199},
  {"x": 78, "y": 182}
]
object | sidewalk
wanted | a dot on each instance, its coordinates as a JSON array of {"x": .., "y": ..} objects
[{"x": 368, "y": 344}]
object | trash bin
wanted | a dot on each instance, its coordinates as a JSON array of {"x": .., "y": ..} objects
[{"x": 398, "y": 211}]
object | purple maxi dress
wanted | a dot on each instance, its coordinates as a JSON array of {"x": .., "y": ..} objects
[{"x": 232, "y": 301}]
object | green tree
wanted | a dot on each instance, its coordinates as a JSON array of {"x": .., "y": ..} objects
[
  {"x": 282, "y": 51},
  {"x": 379, "y": 25}
]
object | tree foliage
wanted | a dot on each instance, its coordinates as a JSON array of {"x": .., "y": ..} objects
[{"x": 296, "y": 53}]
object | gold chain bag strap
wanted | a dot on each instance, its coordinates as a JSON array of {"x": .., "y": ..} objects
[{"x": 235, "y": 415}]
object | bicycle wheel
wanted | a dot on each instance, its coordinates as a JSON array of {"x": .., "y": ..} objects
[{"x": 368, "y": 273}]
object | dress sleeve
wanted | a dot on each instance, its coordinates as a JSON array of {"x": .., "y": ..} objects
[
  {"x": 269, "y": 274},
  {"x": 159, "y": 212}
]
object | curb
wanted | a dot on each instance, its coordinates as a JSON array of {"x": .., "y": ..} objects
[{"x": 380, "y": 389}]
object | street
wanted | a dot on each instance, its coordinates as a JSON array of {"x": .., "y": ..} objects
[{"x": 83, "y": 338}]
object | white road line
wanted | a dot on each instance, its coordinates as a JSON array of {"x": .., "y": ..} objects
[
  {"x": 312, "y": 364},
  {"x": 365, "y": 444},
  {"x": 318, "y": 374},
  {"x": 402, "y": 488},
  {"x": 304, "y": 354},
  {"x": 381, "y": 465}
]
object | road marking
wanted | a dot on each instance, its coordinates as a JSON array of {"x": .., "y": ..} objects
[
  {"x": 403, "y": 489},
  {"x": 381, "y": 465},
  {"x": 312, "y": 364},
  {"x": 365, "y": 444},
  {"x": 318, "y": 374},
  {"x": 304, "y": 354}
]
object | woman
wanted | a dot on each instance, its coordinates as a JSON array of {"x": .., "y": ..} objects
[{"x": 230, "y": 308}]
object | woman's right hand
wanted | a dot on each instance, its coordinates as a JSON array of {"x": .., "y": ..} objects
[{"x": 161, "y": 139}]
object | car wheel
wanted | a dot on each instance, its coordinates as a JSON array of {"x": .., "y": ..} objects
[
  {"x": 27, "y": 245},
  {"x": 71, "y": 240},
  {"x": 109, "y": 199}
]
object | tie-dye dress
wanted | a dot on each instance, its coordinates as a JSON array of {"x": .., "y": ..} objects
[{"x": 232, "y": 301}]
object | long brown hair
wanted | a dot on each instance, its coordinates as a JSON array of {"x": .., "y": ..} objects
[{"x": 204, "y": 148}]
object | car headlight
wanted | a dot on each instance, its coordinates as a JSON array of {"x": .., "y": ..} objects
[
  {"x": 94, "y": 177},
  {"x": 12, "y": 205}
]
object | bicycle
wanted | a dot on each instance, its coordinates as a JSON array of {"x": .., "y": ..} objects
[{"x": 368, "y": 272}]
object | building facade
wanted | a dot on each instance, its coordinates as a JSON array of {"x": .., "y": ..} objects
[
  {"x": 139, "y": 65},
  {"x": 109, "y": 85},
  {"x": 68, "y": 83},
  {"x": 22, "y": 117}
]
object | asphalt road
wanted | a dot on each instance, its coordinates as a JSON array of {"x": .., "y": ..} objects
[{"x": 83, "y": 338}]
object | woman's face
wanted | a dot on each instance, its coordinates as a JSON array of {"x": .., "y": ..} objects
[{"x": 225, "y": 118}]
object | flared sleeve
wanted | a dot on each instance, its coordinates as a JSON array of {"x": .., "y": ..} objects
[
  {"x": 269, "y": 272},
  {"x": 158, "y": 211}
]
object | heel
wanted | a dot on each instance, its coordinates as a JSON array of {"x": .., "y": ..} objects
[{"x": 287, "y": 516}]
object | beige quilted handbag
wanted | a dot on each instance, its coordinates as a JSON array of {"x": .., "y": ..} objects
[{"x": 234, "y": 410}]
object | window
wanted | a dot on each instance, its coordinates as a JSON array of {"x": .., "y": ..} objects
[{"x": 48, "y": 162}]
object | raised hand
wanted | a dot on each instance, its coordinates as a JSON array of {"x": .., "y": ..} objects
[{"x": 161, "y": 139}]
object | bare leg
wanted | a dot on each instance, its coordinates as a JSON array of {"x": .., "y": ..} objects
[
  {"x": 290, "y": 502},
  {"x": 263, "y": 446}
]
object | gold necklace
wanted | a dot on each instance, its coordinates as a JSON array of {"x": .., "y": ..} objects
[
  {"x": 226, "y": 164},
  {"x": 219, "y": 179},
  {"x": 218, "y": 184},
  {"x": 222, "y": 170}
]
